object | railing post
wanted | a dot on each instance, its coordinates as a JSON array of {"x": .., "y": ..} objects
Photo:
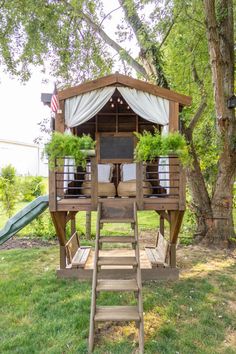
[
  {"x": 139, "y": 185},
  {"x": 94, "y": 183}
]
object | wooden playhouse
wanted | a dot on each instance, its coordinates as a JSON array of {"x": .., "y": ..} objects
[{"x": 110, "y": 109}]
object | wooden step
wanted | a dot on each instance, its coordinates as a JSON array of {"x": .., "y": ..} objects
[
  {"x": 120, "y": 221},
  {"x": 117, "y": 285},
  {"x": 117, "y": 261},
  {"x": 116, "y": 313},
  {"x": 117, "y": 239}
]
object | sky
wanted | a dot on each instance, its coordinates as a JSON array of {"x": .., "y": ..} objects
[{"x": 21, "y": 108}]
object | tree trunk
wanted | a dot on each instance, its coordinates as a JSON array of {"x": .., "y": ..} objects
[
  {"x": 201, "y": 201},
  {"x": 220, "y": 34}
]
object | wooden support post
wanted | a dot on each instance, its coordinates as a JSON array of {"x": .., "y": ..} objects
[
  {"x": 62, "y": 257},
  {"x": 88, "y": 225},
  {"x": 94, "y": 183},
  {"x": 162, "y": 225},
  {"x": 59, "y": 119},
  {"x": 172, "y": 259},
  {"x": 139, "y": 185},
  {"x": 59, "y": 221},
  {"x": 176, "y": 218},
  {"x": 73, "y": 226}
]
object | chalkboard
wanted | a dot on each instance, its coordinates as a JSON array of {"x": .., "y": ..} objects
[{"x": 116, "y": 147}]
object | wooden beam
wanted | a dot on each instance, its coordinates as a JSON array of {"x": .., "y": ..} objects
[
  {"x": 162, "y": 225},
  {"x": 164, "y": 214},
  {"x": 172, "y": 255},
  {"x": 173, "y": 116},
  {"x": 62, "y": 257},
  {"x": 118, "y": 79},
  {"x": 88, "y": 225},
  {"x": 59, "y": 119},
  {"x": 158, "y": 273},
  {"x": 139, "y": 185},
  {"x": 71, "y": 215},
  {"x": 176, "y": 218},
  {"x": 59, "y": 221},
  {"x": 94, "y": 183}
]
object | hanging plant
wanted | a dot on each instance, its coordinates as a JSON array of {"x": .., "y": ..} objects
[
  {"x": 150, "y": 146},
  {"x": 69, "y": 146}
]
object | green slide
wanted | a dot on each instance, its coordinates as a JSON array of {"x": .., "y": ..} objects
[{"x": 23, "y": 218}]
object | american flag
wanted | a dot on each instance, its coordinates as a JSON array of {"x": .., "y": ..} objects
[{"x": 54, "y": 100}]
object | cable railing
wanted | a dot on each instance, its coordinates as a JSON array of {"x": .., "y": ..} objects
[{"x": 155, "y": 181}]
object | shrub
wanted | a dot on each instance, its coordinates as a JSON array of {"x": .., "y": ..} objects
[
  {"x": 8, "y": 189},
  {"x": 150, "y": 146},
  {"x": 42, "y": 226},
  {"x": 65, "y": 145},
  {"x": 32, "y": 187}
]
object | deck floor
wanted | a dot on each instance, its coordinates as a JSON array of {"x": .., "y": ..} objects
[
  {"x": 144, "y": 262},
  {"x": 119, "y": 272}
]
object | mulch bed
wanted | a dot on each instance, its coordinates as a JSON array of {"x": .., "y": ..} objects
[{"x": 26, "y": 242}]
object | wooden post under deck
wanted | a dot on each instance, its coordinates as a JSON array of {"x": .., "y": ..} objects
[
  {"x": 176, "y": 218},
  {"x": 88, "y": 225},
  {"x": 59, "y": 221}
]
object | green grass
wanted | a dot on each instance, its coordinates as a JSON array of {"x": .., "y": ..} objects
[{"x": 41, "y": 314}]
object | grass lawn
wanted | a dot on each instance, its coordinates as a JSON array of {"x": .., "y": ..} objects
[{"x": 41, "y": 314}]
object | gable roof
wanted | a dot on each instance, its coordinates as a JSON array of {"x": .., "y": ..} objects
[{"x": 123, "y": 80}]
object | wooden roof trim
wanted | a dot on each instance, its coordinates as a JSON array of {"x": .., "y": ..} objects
[{"x": 118, "y": 79}]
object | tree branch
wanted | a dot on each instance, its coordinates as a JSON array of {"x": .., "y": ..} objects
[
  {"x": 167, "y": 33},
  {"x": 149, "y": 50},
  {"x": 109, "y": 13},
  {"x": 201, "y": 107},
  {"x": 136, "y": 66},
  {"x": 197, "y": 115}
]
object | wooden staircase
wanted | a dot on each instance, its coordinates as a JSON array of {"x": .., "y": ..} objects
[{"x": 109, "y": 213}]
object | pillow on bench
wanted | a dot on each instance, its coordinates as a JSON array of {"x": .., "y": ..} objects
[
  {"x": 127, "y": 186},
  {"x": 105, "y": 172},
  {"x": 105, "y": 187}
]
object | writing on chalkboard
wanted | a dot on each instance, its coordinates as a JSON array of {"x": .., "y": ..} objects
[{"x": 113, "y": 147}]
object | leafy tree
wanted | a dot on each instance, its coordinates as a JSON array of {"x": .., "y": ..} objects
[
  {"x": 185, "y": 45},
  {"x": 8, "y": 189}
]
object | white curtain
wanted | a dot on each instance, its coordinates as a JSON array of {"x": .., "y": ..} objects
[
  {"x": 163, "y": 167},
  {"x": 80, "y": 109},
  {"x": 69, "y": 167},
  {"x": 154, "y": 109}
]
